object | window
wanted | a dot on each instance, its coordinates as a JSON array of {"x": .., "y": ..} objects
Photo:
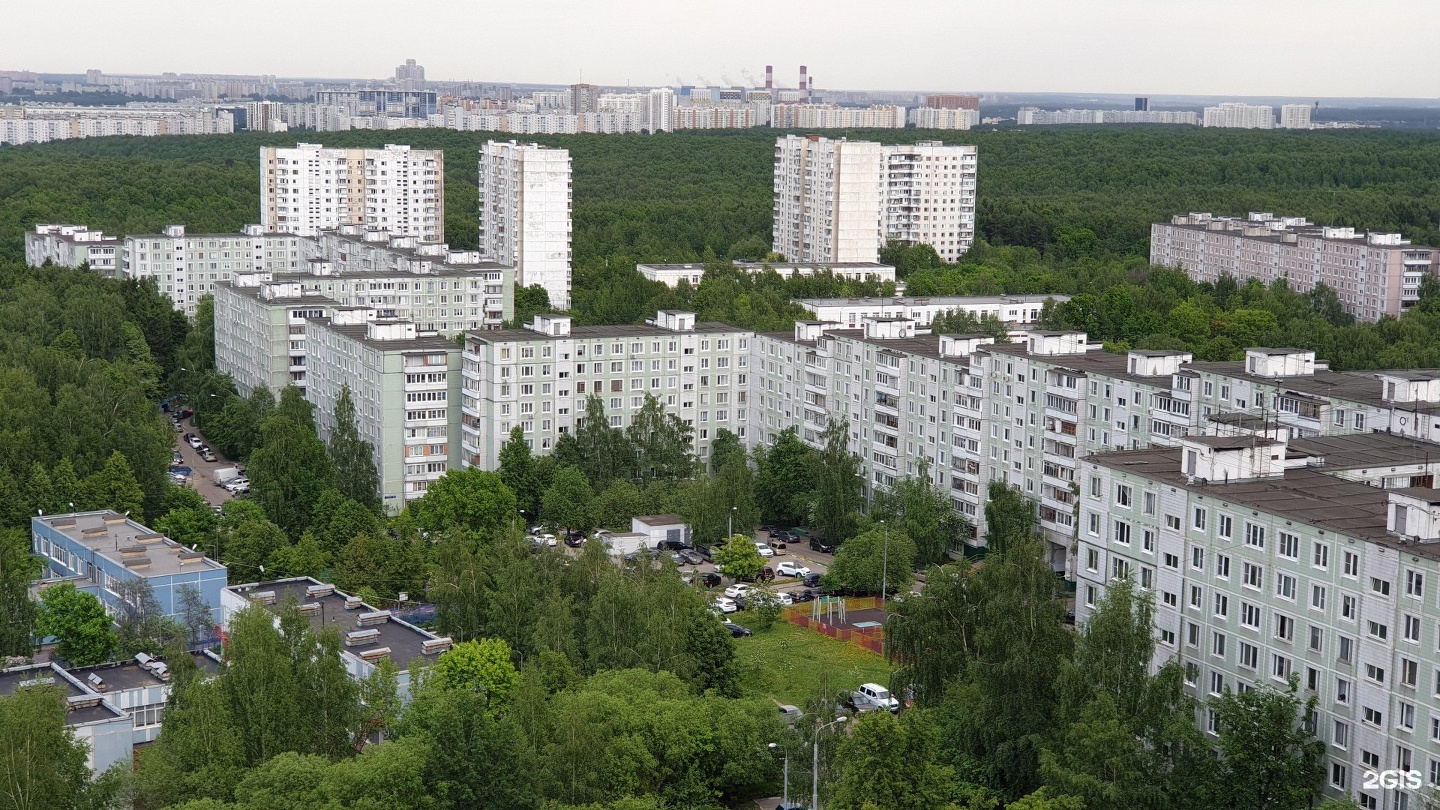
[
  {"x": 1192, "y": 638},
  {"x": 1095, "y": 487},
  {"x": 1409, "y": 673},
  {"x": 1197, "y": 558},
  {"x": 1254, "y": 576},
  {"x": 1347, "y": 645},
  {"x": 1172, "y": 522},
  {"x": 1254, "y": 535},
  {"x": 1280, "y": 667},
  {"x": 1224, "y": 526},
  {"x": 1374, "y": 717},
  {"x": 1285, "y": 586},
  {"x": 1217, "y": 645},
  {"x": 1122, "y": 532},
  {"x": 1197, "y": 597},
  {"x": 1200, "y": 515},
  {"x": 1369, "y": 759},
  {"x": 1222, "y": 566},
  {"x": 1317, "y": 597},
  {"x": 1338, "y": 775},
  {"x": 1123, "y": 495},
  {"x": 1092, "y": 559},
  {"x": 1342, "y": 690},
  {"x": 1284, "y": 627},
  {"x": 1249, "y": 656},
  {"x": 1149, "y": 503},
  {"x": 1352, "y": 565},
  {"x": 1341, "y": 737},
  {"x": 1412, "y": 628},
  {"x": 1347, "y": 607},
  {"x": 1380, "y": 586},
  {"x": 1317, "y": 638},
  {"x": 1094, "y": 520},
  {"x": 1217, "y": 683},
  {"x": 1250, "y": 615},
  {"x": 1374, "y": 673},
  {"x": 1377, "y": 630},
  {"x": 1415, "y": 584},
  {"x": 1289, "y": 546},
  {"x": 1320, "y": 556},
  {"x": 1222, "y": 605},
  {"x": 1171, "y": 561}
]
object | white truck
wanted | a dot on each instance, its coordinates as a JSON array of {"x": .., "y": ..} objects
[
  {"x": 872, "y": 696},
  {"x": 225, "y": 475}
]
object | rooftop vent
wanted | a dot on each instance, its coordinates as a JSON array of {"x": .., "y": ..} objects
[
  {"x": 356, "y": 638},
  {"x": 263, "y": 597},
  {"x": 96, "y": 681},
  {"x": 315, "y": 591},
  {"x": 161, "y": 671},
  {"x": 190, "y": 557},
  {"x": 435, "y": 646},
  {"x": 85, "y": 702},
  {"x": 373, "y": 617},
  {"x": 94, "y": 532},
  {"x": 138, "y": 563},
  {"x": 143, "y": 659},
  {"x": 310, "y": 609},
  {"x": 112, "y": 519},
  {"x": 132, "y": 551},
  {"x": 354, "y": 603},
  {"x": 375, "y": 654},
  {"x": 148, "y": 539},
  {"x": 63, "y": 522}
]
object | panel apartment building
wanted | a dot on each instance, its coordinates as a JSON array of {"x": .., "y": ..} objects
[
  {"x": 72, "y": 246},
  {"x": 1028, "y": 412},
  {"x": 260, "y": 318},
  {"x": 1274, "y": 558},
  {"x": 406, "y": 390},
  {"x": 311, "y": 188},
  {"x": 525, "y": 205},
  {"x": 189, "y": 266},
  {"x": 839, "y": 201},
  {"x": 1374, "y": 274},
  {"x": 539, "y": 377}
]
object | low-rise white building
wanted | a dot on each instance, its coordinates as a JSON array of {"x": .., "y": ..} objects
[
  {"x": 672, "y": 274},
  {"x": 850, "y": 313},
  {"x": 937, "y": 118},
  {"x": 1235, "y": 115},
  {"x": 72, "y": 246},
  {"x": 661, "y": 528}
]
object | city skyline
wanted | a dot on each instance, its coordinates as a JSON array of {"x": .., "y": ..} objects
[{"x": 1128, "y": 46}]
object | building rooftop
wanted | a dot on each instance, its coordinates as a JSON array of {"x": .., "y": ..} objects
[
  {"x": 360, "y": 333},
  {"x": 1231, "y": 442},
  {"x": 928, "y": 300},
  {"x": 581, "y": 333},
  {"x": 363, "y": 629},
  {"x": 1103, "y": 363},
  {"x": 659, "y": 520},
  {"x": 257, "y": 292},
  {"x": 118, "y": 677},
  {"x": 1352, "y": 386},
  {"x": 1365, "y": 450},
  {"x": 84, "y": 706},
  {"x": 124, "y": 542}
]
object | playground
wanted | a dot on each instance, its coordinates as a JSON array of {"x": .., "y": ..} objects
[{"x": 858, "y": 621}]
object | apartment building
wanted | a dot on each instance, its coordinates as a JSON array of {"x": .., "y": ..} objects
[
  {"x": 189, "y": 266},
  {"x": 99, "y": 550},
  {"x": 952, "y": 101},
  {"x": 369, "y": 635},
  {"x": 39, "y": 124},
  {"x": 406, "y": 389},
  {"x": 672, "y": 274},
  {"x": 1276, "y": 558},
  {"x": 944, "y": 118},
  {"x": 930, "y": 196},
  {"x": 1027, "y": 116},
  {"x": 260, "y": 318},
  {"x": 1235, "y": 115},
  {"x": 525, "y": 204},
  {"x": 539, "y": 378},
  {"x": 1374, "y": 274},
  {"x": 839, "y": 201},
  {"x": 1020, "y": 311},
  {"x": 310, "y": 188},
  {"x": 72, "y": 246},
  {"x": 831, "y": 116},
  {"x": 260, "y": 331},
  {"x": 383, "y": 102},
  {"x": 1295, "y": 116}
]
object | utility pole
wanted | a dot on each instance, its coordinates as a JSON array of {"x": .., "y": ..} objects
[
  {"x": 815, "y": 765},
  {"x": 884, "y": 562}
]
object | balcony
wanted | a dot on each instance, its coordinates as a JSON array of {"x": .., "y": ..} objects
[{"x": 888, "y": 403}]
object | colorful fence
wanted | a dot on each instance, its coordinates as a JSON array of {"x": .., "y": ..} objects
[{"x": 869, "y": 638}]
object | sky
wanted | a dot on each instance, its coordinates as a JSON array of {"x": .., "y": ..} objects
[{"x": 1322, "y": 48}]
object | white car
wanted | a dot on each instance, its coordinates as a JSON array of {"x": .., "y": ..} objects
[
  {"x": 765, "y": 550},
  {"x": 239, "y": 488},
  {"x": 784, "y": 599},
  {"x": 549, "y": 539},
  {"x": 726, "y": 605},
  {"x": 791, "y": 569},
  {"x": 738, "y": 590},
  {"x": 195, "y": 442}
]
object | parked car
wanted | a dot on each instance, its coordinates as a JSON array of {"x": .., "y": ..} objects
[
  {"x": 805, "y": 595},
  {"x": 207, "y": 455},
  {"x": 791, "y": 569},
  {"x": 673, "y": 545},
  {"x": 725, "y": 605},
  {"x": 240, "y": 488},
  {"x": 691, "y": 557},
  {"x": 765, "y": 550},
  {"x": 822, "y": 546},
  {"x": 235, "y": 483},
  {"x": 871, "y": 696},
  {"x": 738, "y": 589},
  {"x": 193, "y": 440},
  {"x": 687, "y": 576},
  {"x": 737, "y": 631},
  {"x": 810, "y": 580},
  {"x": 575, "y": 539},
  {"x": 549, "y": 540},
  {"x": 767, "y": 574},
  {"x": 784, "y": 599},
  {"x": 790, "y": 714},
  {"x": 177, "y": 459},
  {"x": 710, "y": 579}
]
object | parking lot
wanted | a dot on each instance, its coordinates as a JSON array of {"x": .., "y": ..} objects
[{"x": 201, "y": 479}]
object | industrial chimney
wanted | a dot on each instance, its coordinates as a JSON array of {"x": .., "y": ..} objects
[
  {"x": 803, "y": 71},
  {"x": 769, "y": 77}
]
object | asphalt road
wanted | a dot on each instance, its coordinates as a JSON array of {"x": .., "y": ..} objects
[{"x": 201, "y": 480}]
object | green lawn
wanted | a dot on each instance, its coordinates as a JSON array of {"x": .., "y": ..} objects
[{"x": 792, "y": 665}]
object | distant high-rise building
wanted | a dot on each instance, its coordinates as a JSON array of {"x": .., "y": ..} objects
[
  {"x": 410, "y": 75},
  {"x": 1295, "y": 116},
  {"x": 661, "y": 110},
  {"x": 1234, "y": 115},
  {"x": 839, "y": 201},
  {"x": 395, "y": 189},
  {"x": 584, "y": 98},
  {"x": 525, "y": 208},
  {"x": 1142, "y": 104},
  {"x": 952, "y": 101}
]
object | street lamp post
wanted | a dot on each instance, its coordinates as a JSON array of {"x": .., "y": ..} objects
[
  {"x": 730, "y": 524},
  {"x": 815, "y": 765},
  {"x": 884, "y": 562},
  {"x": 785, "y": 794}
]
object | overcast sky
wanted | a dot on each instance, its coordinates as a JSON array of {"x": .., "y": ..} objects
[{"x": 1218, "y": 47}]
